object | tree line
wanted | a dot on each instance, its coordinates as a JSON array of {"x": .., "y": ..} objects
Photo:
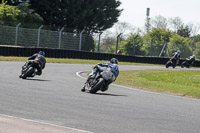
[
  {"x": 173, "y": 31},
  {"x": 74, "y": 15},
  {"x": 97, "y": 16}
]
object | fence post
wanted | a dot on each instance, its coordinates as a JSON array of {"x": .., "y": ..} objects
[
  {"x": 134, "y": 44},
  {"x": 38, "y": 41},
  {"x": 164, "y": 47},
  {"x": 80, "y": 43},
  {"x": 16, "y": 36},
  {"x": 151, "y": 46},
  {"x": 60, "y": 33},
  {"x": 117, "y": 42},
  {"x": 99, "y": 42}
]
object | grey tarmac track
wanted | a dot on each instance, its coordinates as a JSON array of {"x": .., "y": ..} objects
[{"x": 55, "y": 98}]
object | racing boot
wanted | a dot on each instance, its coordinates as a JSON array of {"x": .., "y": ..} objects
[{"x": 83, "y": 89}]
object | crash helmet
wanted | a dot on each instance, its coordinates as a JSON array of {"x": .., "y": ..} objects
[
  {"x": 193, "y": 56},
  {"x": 178, "y": 51},
  {"x": 114, "y": 61},
  {"x": 42, "y": 53}
]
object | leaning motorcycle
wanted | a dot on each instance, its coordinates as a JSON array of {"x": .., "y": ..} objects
[
  {"x": 29, "y": 70},
  {"x": 171, "y": 62},
  {"x": 187, "y": 63},
  {"x": 101, "y": 81}
]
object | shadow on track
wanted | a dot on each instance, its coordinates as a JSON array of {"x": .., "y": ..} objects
[
  {"x": 108, "y": 94},
  {"x": 38, "y": 79}
]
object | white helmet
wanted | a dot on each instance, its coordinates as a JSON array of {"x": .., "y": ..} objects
[{"x": 178, "y": 51}]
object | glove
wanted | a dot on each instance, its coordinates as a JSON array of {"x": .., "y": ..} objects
[{"x": 95, "y": 66}]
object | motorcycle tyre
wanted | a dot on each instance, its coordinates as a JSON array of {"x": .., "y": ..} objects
[
  {"x": 168, "y": 64},
  {"x": 97, "y": 86},
  {"x": 183, "y": 64},
  {"x": 29, "y": 72}
]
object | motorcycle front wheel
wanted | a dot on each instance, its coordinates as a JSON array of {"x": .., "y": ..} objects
[
  {"x": 168, "y": 64},
  {"x": 97, "y": 87},
  {"x": 28, "y": 73}
]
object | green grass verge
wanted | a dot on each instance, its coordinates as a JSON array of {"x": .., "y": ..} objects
[
  {"x": 184, "y": 83},
  {"x": 60, "y": 60}
]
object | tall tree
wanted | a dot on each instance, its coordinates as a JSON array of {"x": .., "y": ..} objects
[
  {"x": 9, "y": 15},
  {"x": 184, "y": 31},
  {"x": 181, "y": 43},
  {"x": 175, "y": 23},
  {"x": 159, "y": 36},
  {"x": 91, "y": 15},
  {"x": 159, "y": 22},
  {"x": 128, "y": 45},
  {"x": 30, "y": 19},
  {"x": 13, "y": 2},
  {"x": 194, "y": 28}
]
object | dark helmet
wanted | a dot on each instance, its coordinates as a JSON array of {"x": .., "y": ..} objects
[
  {"x": 114, "y": 61},
  {"x": 42, "y": 53}
]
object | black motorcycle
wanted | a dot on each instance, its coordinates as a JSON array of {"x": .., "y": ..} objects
[
  {"x": 171, "y": 62},
  {"x": 29, "y": 69},
  {"x": 187, "y": 63}
]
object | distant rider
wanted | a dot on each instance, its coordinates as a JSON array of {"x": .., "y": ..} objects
[
  {"x": 98, "y": 68},
  {"x": 39, "y": 57},
  {"x": 176, "y": 57},
  {"x": 191, "y": 60}
]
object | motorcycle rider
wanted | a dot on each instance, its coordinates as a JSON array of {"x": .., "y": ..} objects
[
  {"x": 176, "y": 57},
  {"x": 98, "y": 68},
  {"x": 190, "y": 60},
  {"x": 39, "y": 57}
]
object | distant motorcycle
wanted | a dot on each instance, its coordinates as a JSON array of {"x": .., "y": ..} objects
[
  {"x": 172, "y": 62},
  {"x": 100, "y": 82},
  {"x": 29, "y": 70},
  {"x": 189, "y": 62}
]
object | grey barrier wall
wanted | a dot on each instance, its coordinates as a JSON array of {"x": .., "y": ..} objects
[{"x": 63, "y": 53}]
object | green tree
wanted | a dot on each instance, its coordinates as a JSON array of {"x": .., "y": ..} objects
[
  {"x": 127, "y": 46},
  {"x": 181, "y": 43},
  {"x": 197, "y": 50},
  {"x": 9, "y": 14},
  {"x": 184, "y": 31},
  {"x": 30, "y": 19},
  {"x": 91, "y": 15},
  {"x": 159, "y": 36},
  {"x": 12, "y": 2}
]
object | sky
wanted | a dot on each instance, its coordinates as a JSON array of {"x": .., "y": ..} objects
[{"x": 134, "y": 11}]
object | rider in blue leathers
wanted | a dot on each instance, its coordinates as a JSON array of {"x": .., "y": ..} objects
[{"x": 97, "y": 68}]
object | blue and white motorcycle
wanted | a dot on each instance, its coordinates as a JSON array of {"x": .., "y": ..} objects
[{"x": 104, "y": 77}]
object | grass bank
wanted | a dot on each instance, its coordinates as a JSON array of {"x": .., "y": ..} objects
[{"x": 184, "y": 83}]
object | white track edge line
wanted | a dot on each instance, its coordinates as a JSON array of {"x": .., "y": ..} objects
[{"x": 45, "y": 123}]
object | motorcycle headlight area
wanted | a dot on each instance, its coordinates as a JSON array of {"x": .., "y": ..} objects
[{"x": 107, "y": 75}]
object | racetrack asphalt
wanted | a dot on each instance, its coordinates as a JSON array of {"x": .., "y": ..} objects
[{"x": 54, "y": 101}]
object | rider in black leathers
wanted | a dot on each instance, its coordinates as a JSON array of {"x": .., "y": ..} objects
[
  {"x": 189, "y": 61},
  {"x": 39, "y": 57}
]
